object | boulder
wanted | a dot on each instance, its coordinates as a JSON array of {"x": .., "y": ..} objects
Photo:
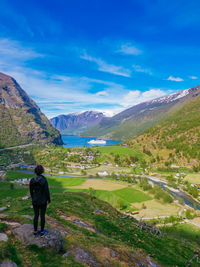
[
  {"x": 52, "y": 239},
  {"x": 8, "y": 264},
  {"x": 83, "y": 257},
  {"x": 3, "y": 237}
]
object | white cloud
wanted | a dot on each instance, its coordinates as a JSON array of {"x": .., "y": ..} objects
[
  {"x": 193, "y": 77},
  {"x": 138, "y": 68},
  {"x": 102, "y": 93},
  {"x": 135, "y": 97},
  {"x": 105, "y": 67},
  {"x": 13, "y": 49},
  {"x": 129, "y": 49},
  {"x": 60, "y": 94},
  {"x": 177, "y": 79}
]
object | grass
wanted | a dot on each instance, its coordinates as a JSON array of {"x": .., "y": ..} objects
[
  {"x": 64, "y": 182},
  {"x": 185, "y": 232},
  {"x": 127, "y": 196},
  {"x": 117, "y": 233},
  {"x": 12, "y": 175},
  {"x": 8, "y": 191},
  {"x": 119, "y": 150},
  {"x": 132, "y": 195},
  {"x": 193, "y": 178}
]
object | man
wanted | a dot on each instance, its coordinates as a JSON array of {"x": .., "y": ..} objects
[{"x": 40, "y": 195}]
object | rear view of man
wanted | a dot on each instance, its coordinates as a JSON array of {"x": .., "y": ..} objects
[{"x": 40, "y": 195}]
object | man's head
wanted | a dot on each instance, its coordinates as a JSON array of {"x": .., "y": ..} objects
[{"x": 39, "y": 169}]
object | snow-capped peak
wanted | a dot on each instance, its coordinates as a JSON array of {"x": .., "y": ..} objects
[{"x": 172, "y": 97}]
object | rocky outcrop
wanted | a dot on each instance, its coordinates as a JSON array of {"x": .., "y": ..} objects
[
  {"x": 22, "y": 121},
  {"x": 83, "y": 257},
  {"x": 8, "y": 264},
  {"x": 52, "y": 239},
  {"x": 3, "y": 237}
]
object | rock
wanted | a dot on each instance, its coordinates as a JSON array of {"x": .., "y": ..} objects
[
  {"x": 63, "y": 232},
  {"x": 63, "y": 217},
  {"x": 52, "y": 239},
  {"x": 2, "y": 215},
  {"x": 85, "y": 225},
  {"x": 8, "y": 264},
  {"x": 113, "y": 254},
  {"x": 143, "y": 260},
  {"x": 13, "y": 224},
  {"x": 83, "y": 257},
  {"x": 66, "y": 254},
  {"x": 3, "y": 208},
  {"x": 8, "y": 198},
  {"x": 3, "y": 237},
  {"x": 28, "y": 217},
  {"x": 25, "y": 198},
  {"x": 98, "y": 212}
]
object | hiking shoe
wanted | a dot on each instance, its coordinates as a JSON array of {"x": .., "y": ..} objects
[
  {"x": 42, "y": 234},
  {"x": 36, "y": 234}
]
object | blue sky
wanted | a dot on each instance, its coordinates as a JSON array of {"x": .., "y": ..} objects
[{"x": 79, "y": 55}]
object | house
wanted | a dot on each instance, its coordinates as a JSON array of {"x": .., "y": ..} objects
[
  {"x": 174, "y": 166},
  {"x": 103, "y": 173}
]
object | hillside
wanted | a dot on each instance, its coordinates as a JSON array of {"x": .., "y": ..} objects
[
  {"x": 94, "y": 233},
  {"x": 21, "y": 120},
  {"x": 176, "y": 139},
  {"x": 76, "y": 123},
  {"x": 136, "y": 119}
]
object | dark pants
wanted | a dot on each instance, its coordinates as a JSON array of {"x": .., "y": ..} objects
[{"x": 39, "y": 210}]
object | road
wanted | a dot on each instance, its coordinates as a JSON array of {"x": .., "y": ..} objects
[{"x": 12, "y": 147}]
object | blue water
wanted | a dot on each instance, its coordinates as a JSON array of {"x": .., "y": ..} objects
[{"x": 73, "y": 140}]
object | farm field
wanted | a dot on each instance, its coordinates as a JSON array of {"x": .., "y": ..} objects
[
  {"x": 155, "y": 208},
  {"x": 193, "y": 178},
  {"x": 119, "y": 150},
  {"x": 119, "y": 194},
  {"x": 101, "y": 184}
]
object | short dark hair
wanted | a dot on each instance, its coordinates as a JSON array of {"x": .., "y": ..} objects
[{"x": 39, "y": 169}]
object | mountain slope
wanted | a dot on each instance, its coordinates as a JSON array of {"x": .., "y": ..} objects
[
  {"x": 76, "y": 122},
  {"x": 136, "y": 119},
  {"x": 118, "y": 241},
  {"x": 177, "y": 138},
  {"x": 21, "y": 120}
]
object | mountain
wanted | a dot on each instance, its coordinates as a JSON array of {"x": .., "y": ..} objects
[
  {"x": 136, "y": 119},
  {"x": 21, "y": 120},
  {"x": 175, "y": 140},
  {"x": 76, "y": 123}
]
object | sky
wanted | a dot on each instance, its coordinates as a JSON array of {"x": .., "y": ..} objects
[{"x": 71, "y": 56}]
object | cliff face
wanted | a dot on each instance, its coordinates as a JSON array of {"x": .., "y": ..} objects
[{"x": 21, "y": 120}]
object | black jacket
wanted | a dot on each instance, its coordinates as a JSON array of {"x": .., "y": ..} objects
[{"x": 39, "y": 190}]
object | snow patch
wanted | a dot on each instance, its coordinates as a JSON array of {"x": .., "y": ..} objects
[{"x": 170, "y": 98}]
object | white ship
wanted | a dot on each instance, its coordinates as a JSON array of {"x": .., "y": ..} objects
[{"x": 97, "y": 142}]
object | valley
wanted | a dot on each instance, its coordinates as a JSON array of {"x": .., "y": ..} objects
[{"x": 134, "y": 199}]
